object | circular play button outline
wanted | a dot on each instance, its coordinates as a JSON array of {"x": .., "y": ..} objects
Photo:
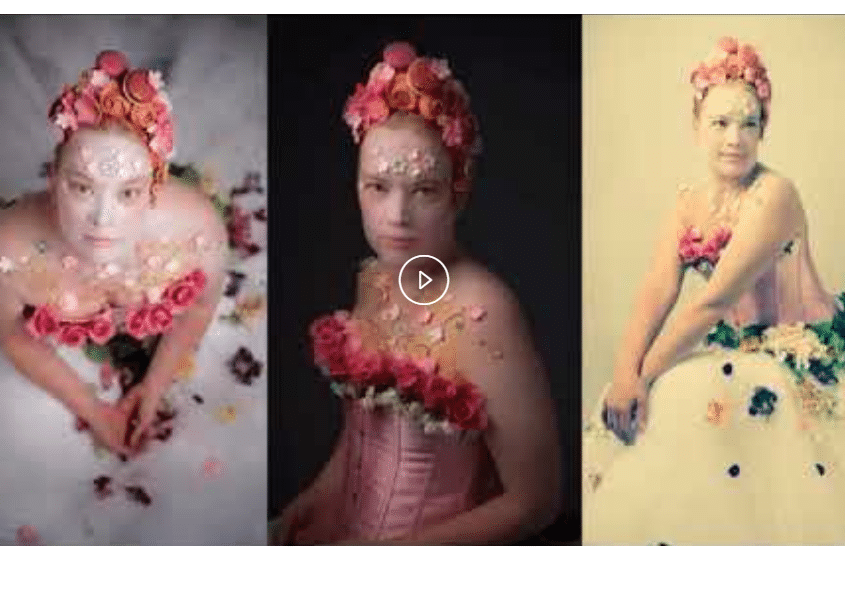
[{"x": 402, "y": 289}]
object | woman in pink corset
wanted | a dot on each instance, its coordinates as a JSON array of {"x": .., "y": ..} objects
[
  {"x": 449, "y": 433},
  {"x": 740, "y": 442}
]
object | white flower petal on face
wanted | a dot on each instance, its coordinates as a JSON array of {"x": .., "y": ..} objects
[{"x": 6, "y": 265}]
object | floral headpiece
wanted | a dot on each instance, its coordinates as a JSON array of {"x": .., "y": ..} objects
[
  {"x": 422, "y": 86},
  {"x": 732, "y": 61},
  {"x": 112, "y": 91}
]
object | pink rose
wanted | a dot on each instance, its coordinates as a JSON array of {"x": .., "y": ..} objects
[
  {"x": 136, "y": 322},
  {"x": 87, "y": 110},
  {"x": 137, "y": 87},
  {"x": 689, "y": 251},
  {"x": 764, "y": 89},
  {"x": 328, "y": 336},
  {"x": 701, "y": 81},
  {"x": 747, "y": 56},
  {"x": 734, "y": 67},
  {"x": 159, "y": 318},
  {"x": 437, "y": 392},
  {"x": 113, "y": 63},
  {"x": 100, "y": 330},
  {"x": 456, "y": 132},
  {"x": 710, "y": 251},
  {"x": 197, "y": 278},
  {"x": 182, "y": 294},
  {"x": 399, "y": 54},
  {"x": 72, "y": 334},
  {"x": 42, "y": 322},
  {"x": 728, "y": 44},
  {"x": 466, "y": 409}
]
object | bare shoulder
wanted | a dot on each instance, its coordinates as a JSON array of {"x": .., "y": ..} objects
[
  {"x": 474, "y": 286},
  {"x": 778, "y": 190},
  {"x": 182, "y": 210},
  {"x": 24, "y": 223}
]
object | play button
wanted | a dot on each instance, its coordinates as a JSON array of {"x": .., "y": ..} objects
[
  {"x": 423, "y": 280},
  {"x": 427, "y": 278}
]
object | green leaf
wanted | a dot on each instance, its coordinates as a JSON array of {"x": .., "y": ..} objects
[
  {"x": 98, "y": 354},
  {"x": 723, "y": 335},
  {"x": 754, "y": 331}
]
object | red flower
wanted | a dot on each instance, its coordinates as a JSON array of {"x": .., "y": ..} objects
[
  {"x": 369, "y": 368},
  {"x": 328, "y": 335},
  {"x": 438, "y": 390},
  {"x": 42, "y": 322},
  {"x": 411, "y": 378},
  {"x": 113, "y": 63},
  {"x": 72, "y": 334},
  {"x": 159, "y": 318},
  {"x": 466, "y": 408},
  {"x": 87, "y": 110},
  {"x": 136, "y": 322},
  {"x": 100, "y": 330},
  {"x": 182, "y": 294},
  {"x": 423, "y": 79}
]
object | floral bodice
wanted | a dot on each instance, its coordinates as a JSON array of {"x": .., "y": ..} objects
[
  {"x": 153, "y": 315},
  {"x": 701, "y": 254},
  {"x": 413, "y": 387}
]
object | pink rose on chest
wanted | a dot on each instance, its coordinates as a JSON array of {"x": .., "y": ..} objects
[
  {"x": 466, "y": 408},
  {"x": 411, "y": 378},
  {"x": 136, "y": 322},
  {"x": 328, "y": 335},
  {"x": 181, "y": 294},
  {"x": 42, "y": 322},
  {"x": 73, "y": 334},
  {"x": 437, "y": 393},
  {"x": 101, "y": 329},
  {"x": 159, "y": 318}
]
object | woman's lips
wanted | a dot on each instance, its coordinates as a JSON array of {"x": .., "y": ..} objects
[
  {"x": 397, "y": 243},
  {"x": 100, "y": 242}
]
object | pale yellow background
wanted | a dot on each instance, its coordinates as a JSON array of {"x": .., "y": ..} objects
[{"x": 638, "y": 145}]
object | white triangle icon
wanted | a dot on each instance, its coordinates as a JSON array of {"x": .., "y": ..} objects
[{"x": 427, "y": 279}]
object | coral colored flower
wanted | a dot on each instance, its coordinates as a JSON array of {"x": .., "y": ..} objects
[
  {"x": 113, "y": 63},
  {"x": 401, "y": 96},
  {"x": 718, "y": 74},
  {"x": 159, "y": 318},
  {"x": 112, "y": 102},
  {"x": 137, "y": 87},
  {"x": 42, "y": 322},
  {"x": 72, "y": 334},
  {"x": 747, "y": 56},
  {"x": 144, "y": 115},
  {"x": 136, "y": 322},
  {"x": 399, "y": 55},
  {"x": 764, "y": 89},
  {"x": 101, "y": 330}
]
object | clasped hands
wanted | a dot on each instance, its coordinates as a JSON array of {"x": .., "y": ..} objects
[
  {"x": 626, "y": 407},
  {"x": 125, "y": 426}
]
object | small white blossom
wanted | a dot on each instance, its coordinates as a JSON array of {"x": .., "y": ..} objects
[
  {"x": 99, "y": 78},
  {"x": 6, "y": 265},
  {"x": 155, "y": 79}
]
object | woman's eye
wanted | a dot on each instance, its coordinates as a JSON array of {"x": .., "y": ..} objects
[
  {"x": 130, "y": 194},
  {"x": 376, "y": 187},
  {"x": 426, "y": 191},
  {"x": 752, "y": 124},
  {"x": 720, "y": 123}
]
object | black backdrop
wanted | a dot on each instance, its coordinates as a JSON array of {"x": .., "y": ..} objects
[{"x": 524, "y": 78}]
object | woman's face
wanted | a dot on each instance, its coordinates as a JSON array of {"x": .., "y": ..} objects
[
  {"x": 729, "y": 128},
  {"x": 405, "y": 193},
  {"x": 102, "y": 190}
]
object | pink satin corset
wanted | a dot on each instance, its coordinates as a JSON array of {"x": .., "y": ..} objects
[{"x": 399, "y": 479}]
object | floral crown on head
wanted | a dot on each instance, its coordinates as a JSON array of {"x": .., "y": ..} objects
[
  {"x": 732, "y": 61},
  {"x": 423, "y": 86},
  {"x": 112, "y": 91}
]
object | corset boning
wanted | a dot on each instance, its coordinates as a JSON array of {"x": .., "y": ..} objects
[{"x": 399, "y": 479}]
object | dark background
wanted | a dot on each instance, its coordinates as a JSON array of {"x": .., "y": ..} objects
[{"x": 523, "y": 75}]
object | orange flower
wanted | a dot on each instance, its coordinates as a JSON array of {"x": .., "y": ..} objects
[
  {"x": 401, "y": 96},
  {"x": 143, "y": 115},
  {"x": 430, "y": 107},
  {"x": 112, "y": 102}
]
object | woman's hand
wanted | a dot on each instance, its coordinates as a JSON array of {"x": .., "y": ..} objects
[
  {"x": 626, "y": 407},
  {"x": 139, "y": 407},
  {"x": 109, "y": 424}
]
